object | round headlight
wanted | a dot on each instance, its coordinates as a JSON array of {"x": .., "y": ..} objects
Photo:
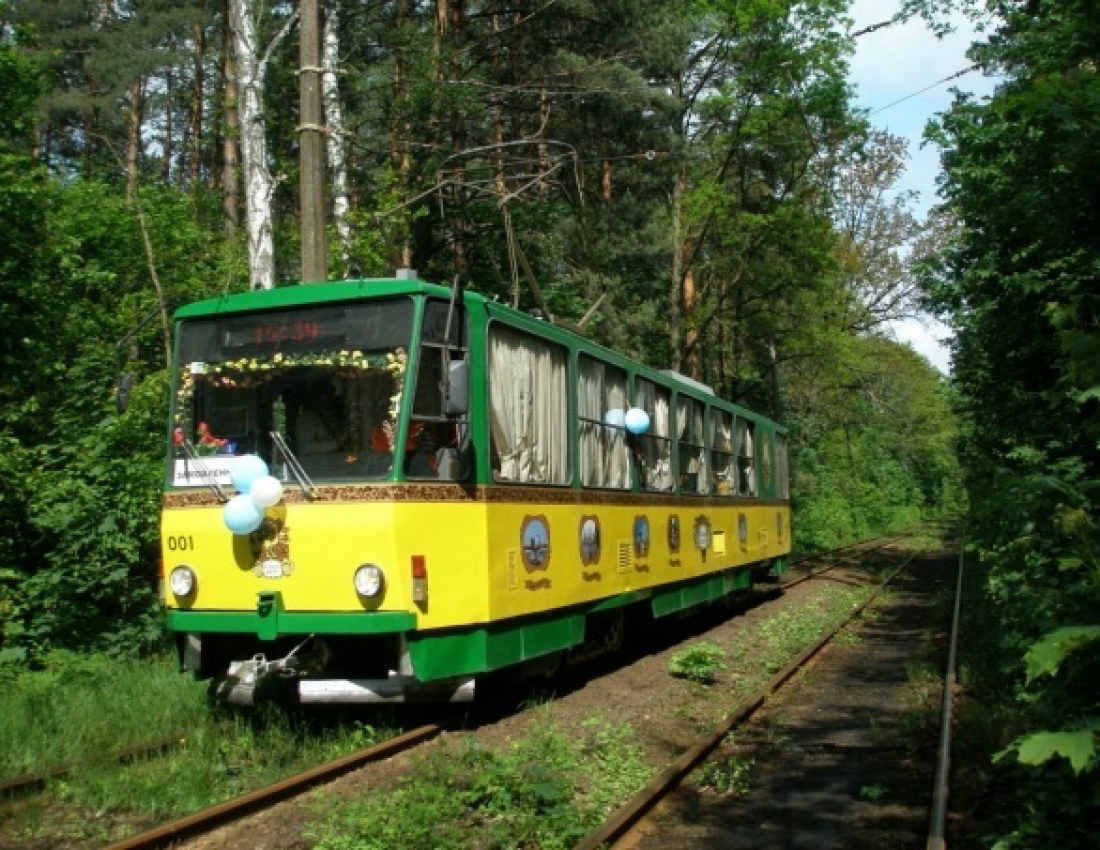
[
  {"x": 370, "y": 581},
  {"x": 182, "y": 581}
]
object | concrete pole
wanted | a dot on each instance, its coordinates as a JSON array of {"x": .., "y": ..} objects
[{"x": 312, "y": 152}]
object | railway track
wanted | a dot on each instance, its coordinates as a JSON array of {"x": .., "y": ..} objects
[
  {"x": 636, "y": 825},
  {"x": 217, "y": 816},
  {"x": 231, "y": 810},
  {"x": 616, "y": 827}
]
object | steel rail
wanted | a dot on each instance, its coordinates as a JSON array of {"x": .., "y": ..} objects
[
  {"x": 937, "y": 830},
  {"x": 631, "y": 812},
  {"x": 814, "y": 574},
  {"x": 208, "y": 819},
  {"x": 29, "y": 782}
]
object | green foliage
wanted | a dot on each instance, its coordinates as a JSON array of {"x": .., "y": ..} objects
[
  {"x": 728, "y": 775},
  {"x": 546, "y": 790},
  {"x": 79, "y": 548},
  {"x": 1048, "y": 653},
  {"x": 675, "y": 138},
  {"x": 1078, "y": 746},
  {"x": 699, "y": 663},
  {"x": 1018, "y": 282}
]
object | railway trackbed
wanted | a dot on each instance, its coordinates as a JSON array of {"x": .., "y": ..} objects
[
  {"x": 852, "y": 769},
  {"x": 637, "y": 690}
]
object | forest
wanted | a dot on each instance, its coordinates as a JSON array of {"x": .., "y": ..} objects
[{"x": 691, "y": 180}]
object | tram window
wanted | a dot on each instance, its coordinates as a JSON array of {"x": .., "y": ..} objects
[
  {"x": 327, "y": 381},
  {"x": 528, "y": 408},
  {"x": 655, "y": 446},
  {"x": 746, "y": 458},
  {"x": 722, "y": 466},
  {"x": 692, "y": 447},
  {"x": 601, "y": 405}
]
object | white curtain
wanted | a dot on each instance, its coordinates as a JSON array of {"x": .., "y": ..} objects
[
  {"x": 722, "y": 457},
  {"x": 588, "y": 400},
  {"x": 605, "y": 459},
  {"x": 745, "y": 459},
  {"x": 528, "y": 418},
  {"x": 702, "y": 463},
  {"x": 655, "y": 401}
]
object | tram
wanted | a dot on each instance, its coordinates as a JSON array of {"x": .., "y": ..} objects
[{"x": 383, "y": 490}]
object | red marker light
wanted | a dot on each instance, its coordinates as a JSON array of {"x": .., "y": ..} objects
[{"x": 419, "y": 579}]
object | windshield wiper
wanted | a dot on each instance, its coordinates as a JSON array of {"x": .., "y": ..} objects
[
  {"x": 294, "y": 465},
  {"x": 205, "y": 475}
]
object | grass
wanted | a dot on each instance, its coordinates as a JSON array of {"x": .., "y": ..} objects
[
  {"x": 775, "y": 643},
  {"x": 699, "y": 663},
  {"x": 547, "y": 790},
  {"x": 81, "y": 711},
  {"x": 728, "y": 775}
]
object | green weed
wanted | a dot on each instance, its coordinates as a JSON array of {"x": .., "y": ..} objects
[
  {"x": 698, "y": 663},
  {"x": 546, "y": 790},
  {"x": 726, "y": 775}
]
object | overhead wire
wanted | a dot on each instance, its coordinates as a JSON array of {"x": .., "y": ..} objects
[{"x": 947, "y": 79}]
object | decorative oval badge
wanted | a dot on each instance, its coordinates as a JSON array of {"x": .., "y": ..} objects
[
  {"x": 590, "y": 540},
  {"x": 535, "y": 543},
  {"x": 674, "y": 534},
  {"x": 702, "y": 533},
  {"x": 641, "y": 537}
]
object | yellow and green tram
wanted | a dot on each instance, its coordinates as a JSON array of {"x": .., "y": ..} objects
[{"x": 380, "y": 490}]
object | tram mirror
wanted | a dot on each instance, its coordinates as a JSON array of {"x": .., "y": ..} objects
[
  {"x": 122, "y": 391},
  {"x": 457, "y": 394}
]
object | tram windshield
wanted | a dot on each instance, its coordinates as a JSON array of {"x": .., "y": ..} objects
[{"x": 324, "y": 382}]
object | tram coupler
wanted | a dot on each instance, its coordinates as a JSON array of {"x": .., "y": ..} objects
[{"x": 244, "y": 678}]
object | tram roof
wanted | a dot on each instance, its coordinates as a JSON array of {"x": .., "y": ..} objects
[{"x": 308, "y": 294}]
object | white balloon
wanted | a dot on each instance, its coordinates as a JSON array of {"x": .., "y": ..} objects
[
  {"x": 266, "y": 491},
  {"x": 615, "y": 417},
  {"x": 244, "y": 470}
]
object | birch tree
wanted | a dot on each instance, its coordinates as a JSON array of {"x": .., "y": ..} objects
[
  {"x": 334, "y": 125},
  {"x": 259, "y": 184}
]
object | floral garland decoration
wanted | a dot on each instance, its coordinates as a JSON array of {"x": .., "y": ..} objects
[{"x": 248, "y": 372}]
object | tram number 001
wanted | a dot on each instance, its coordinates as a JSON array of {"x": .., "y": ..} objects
[{"x": 181, "y": 543}]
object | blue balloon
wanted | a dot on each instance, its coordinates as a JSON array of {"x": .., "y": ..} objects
[
  {"x": 615, "y": 417},
  {"x": 637, "y": 421},
  {"x": 241, "y": 515},
  {"x": 244, "y": 470}
]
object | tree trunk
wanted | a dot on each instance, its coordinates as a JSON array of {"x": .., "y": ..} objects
[
  {"x": 259, "y": 186},
  {"x": 231, "y": 141},
  {"x": 133, "y": 137},
  {"x": 675, "y": 314},
  {"x": 334, "y": 122},
  {"x": 194, "y": 118}
]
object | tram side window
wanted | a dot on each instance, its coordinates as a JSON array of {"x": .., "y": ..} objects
[
  {"x": 655, "y": 446},
  {"x": 692, "y": 447},
  {"x": 746, "y": 458},
  {"x": 723, "y": 468},
  {"x": 528, "y": 408},
  {"x": 782, "y": 467},
  {"x": 602, "y": 404},
  {"x": 438, "y": 445}
]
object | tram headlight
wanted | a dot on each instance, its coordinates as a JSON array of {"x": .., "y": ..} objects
[
  {"x": 181, "y": 581},
  {"x": 370, "y": 581}
]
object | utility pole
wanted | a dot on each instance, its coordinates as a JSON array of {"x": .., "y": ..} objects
[{"x": 312, "y": 162}]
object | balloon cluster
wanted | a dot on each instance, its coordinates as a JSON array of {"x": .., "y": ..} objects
[
  {"x": 635, "y": 420},
  {"x": 256, "y": 491}
]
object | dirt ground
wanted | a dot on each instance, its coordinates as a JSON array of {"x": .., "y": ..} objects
[{"x": 833, "y": 758}]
